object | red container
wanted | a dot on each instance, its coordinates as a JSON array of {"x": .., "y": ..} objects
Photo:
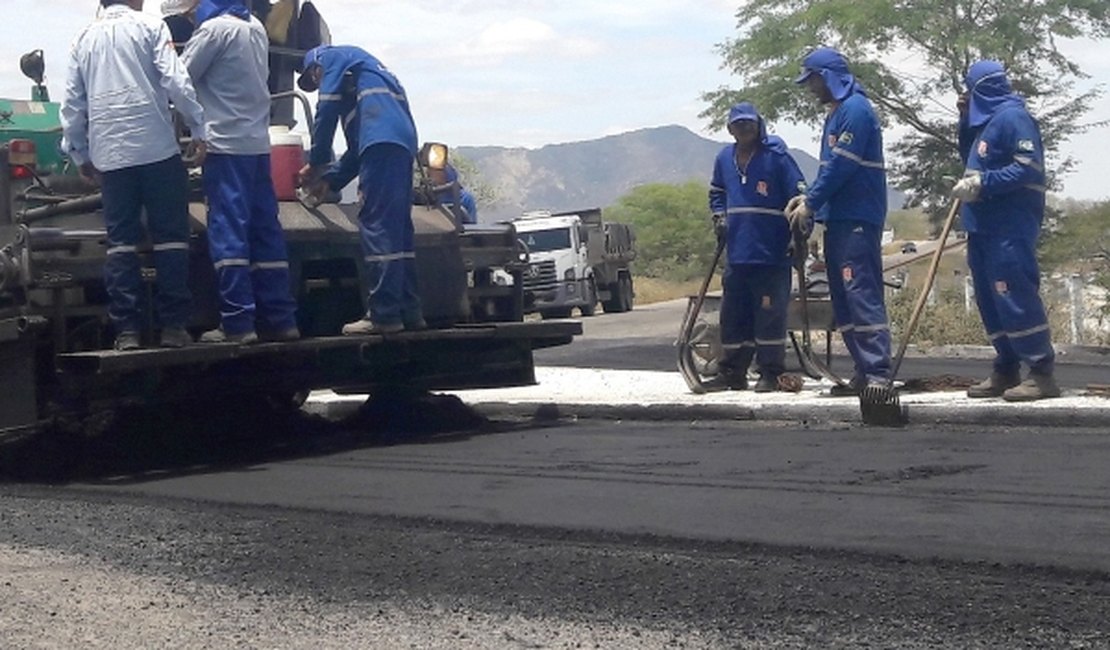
[{"x": 286, "y": 159}]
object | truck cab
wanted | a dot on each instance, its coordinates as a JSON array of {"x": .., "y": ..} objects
[{"x": 576, "y": 259}]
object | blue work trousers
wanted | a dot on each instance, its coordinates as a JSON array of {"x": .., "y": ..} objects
[
  {"x": 853, "y": 254},
  {"x": 1007, "y": 285},
  {"x": 753, "y": 318},
  {"x": 160, "y": 191},
  {"x": 385, "y": 223},
  {"x": 247, "y": 245}
]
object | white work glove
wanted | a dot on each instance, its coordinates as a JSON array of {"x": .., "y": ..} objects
[
  {"x": 968, "y": 187},
  {"x": 797, "y": 210},
  {"x": 720, "y": 228}
]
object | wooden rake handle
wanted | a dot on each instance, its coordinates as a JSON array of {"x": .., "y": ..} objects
[{"x": 924, "y": 296}]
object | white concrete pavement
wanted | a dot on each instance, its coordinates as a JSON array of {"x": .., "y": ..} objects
[{"x": 654, "y": 395}]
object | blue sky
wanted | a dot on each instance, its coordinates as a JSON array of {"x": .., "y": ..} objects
[{"x": 528, "y": 73}]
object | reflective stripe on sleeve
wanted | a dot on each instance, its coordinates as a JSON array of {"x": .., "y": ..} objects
[{"x": 863, "y": 163}]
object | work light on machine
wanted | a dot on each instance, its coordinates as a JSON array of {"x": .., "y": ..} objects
[{"x": 433, "y": 155}]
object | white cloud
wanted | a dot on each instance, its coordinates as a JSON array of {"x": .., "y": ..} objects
[{"x": 529, "y": 72}]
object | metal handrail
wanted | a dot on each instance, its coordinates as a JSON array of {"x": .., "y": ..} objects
[{"x": 299, "y": 96}]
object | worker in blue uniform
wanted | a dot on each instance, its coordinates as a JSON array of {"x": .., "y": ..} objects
[
  {"x": 753, "y": 180},
  {"x": 227, "y": 58},
  {"x": 117, "y": 128},
  {"x": 451, "y": 194},
  {"x": 849, "y": 198},
  {"x": 1003, "y": 190},
  {"x": 358, "y": 89}
]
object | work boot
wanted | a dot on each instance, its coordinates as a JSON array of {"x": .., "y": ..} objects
[
  {"x": 365, "y": 326},
  {"x": 851, "y": 389},
  {"x": 994, "y": 386},
  {"x": 218, "y": 335},
  {"x": 766, "y": 384},
  {"x": 280, "y": 336},
  {"x": 128, "y": 341},
  {"x": 726, "y": 381},
  {"x": 416, "y": 325},
  {"x": 175, "y": 337},
  {"x": 1034, "y": 388}
]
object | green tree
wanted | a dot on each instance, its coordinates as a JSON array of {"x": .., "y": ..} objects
[
  {"x": 471, "y": 178},
  {"x": 912, "y": 56},
  {"x": 674, "y": 231},
  {"x": 1080, "y": 243}
]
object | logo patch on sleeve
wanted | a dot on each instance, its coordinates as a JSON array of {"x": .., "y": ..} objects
[
  {"x": 761, "y": 188},
  {"x": 846, "y": 274},
  {"x": 982, "y": 147},
  {"x": 846, "y": 138},
  {"x": 1025, "y": 145}
]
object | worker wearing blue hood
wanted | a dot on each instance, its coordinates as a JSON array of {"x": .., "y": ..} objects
[
  {"x": 1004, "y": 193},
  {"x": 227, "y": 58},
  {"x": 451, "y": 194},
  {"x": 849, "y": 197},
  {"x": 356, "y": 87},
  {"x": 753, "y": 180}
]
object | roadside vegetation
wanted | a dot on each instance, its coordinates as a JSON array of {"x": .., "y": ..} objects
[{"x": 676, "y": 244}]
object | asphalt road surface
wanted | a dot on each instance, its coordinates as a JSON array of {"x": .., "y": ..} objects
[{"x": 239, "y": 530}]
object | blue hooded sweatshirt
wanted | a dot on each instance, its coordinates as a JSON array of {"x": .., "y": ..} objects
[
  {"x": 1001, "y": 142},
  {"x": 753, "y": 198},
  {"x": 851, "y": 182},
  {"x": 209, "y": 9}
]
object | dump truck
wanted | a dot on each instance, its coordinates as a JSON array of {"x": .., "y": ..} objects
[
  {"x": 576, "y": 259},
  {"x": 56, "y": 361}
]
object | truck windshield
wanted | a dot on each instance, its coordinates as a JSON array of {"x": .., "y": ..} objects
[{"x": 546, "y": 240}]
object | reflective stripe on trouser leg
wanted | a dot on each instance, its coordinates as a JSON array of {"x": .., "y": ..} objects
[
  {"x": 227, "y": 186},
  {"x": 1006, "y": 360},
  {"x": 1011, "y": 282},
  {"x": 121, "y": 192},
  {"x": 771, "y": 289},
  {"x": 737, "y": 321},
  {"x": 855, "y": 268},
  {"x": 385, "y": 224},
  {"x": 275, "y": 309},
  {"x": 166, "y": 198}
]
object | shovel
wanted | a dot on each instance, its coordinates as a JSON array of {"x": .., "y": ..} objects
[
  {"x": 879, "y": 405},
  {"x": 686, "y": 364}
]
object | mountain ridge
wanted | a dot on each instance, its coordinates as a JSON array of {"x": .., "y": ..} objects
[{"x": 595, "y": 173}]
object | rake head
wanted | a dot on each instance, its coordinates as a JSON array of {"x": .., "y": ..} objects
[{"x": 879, "y": 405}]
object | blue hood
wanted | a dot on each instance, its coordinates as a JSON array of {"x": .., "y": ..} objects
[
  {"x": 988, "y": 92},
  {"x": 209, "y": 9},
  {"x": 745, "y": 111},
  {"x": 833, "y": 68}
]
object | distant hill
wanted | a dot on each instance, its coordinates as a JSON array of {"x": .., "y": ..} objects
[{"x": 595, "y": 173}]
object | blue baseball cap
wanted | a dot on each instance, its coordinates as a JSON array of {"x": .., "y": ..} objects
[
  {"x": 743, "y": 112},
  {"x": 311, "y": 59}
]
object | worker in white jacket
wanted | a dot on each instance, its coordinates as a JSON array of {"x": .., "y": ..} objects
[
  {"x": 227, "y": 58},
  {"x": 117, "y": 127}
]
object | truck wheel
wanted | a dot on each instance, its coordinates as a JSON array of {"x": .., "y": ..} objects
[
  {"x": 613, "y": 304},
  {"x": 590, "y": 308},
  {"x": 627, "y": 294}
]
